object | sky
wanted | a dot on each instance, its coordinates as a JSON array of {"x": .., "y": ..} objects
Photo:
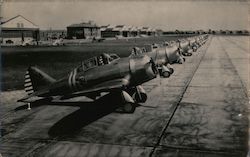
[{"x": 166, "y": 15}]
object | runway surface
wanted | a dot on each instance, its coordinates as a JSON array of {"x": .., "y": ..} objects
[{"x": 201, "y": 110}]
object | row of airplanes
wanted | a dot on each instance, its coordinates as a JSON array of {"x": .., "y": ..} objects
[{"x": 108, "y": 73}]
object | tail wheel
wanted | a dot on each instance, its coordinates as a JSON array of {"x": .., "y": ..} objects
[{"x": 128, "y": 108}]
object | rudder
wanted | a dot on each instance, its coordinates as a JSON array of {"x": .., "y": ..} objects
[{"x": 35, "y": 79}]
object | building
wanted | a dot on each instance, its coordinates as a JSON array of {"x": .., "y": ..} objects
[
  {"x": 158, "y": 32},
  {"x": 52, "y": 34},
  {"x": 110, "y": 31},
  {"x": 115, "y": 31},
  {"x": 134, "y": 31},
  {"x": 18, "y": 29},
  {"x": 127, "y": 31},
  {"x": 83, "y": 30},
  {"x": 147, "y": 31}
]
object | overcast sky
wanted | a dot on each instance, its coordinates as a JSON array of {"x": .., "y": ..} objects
[{"x": 170, "y": 15}]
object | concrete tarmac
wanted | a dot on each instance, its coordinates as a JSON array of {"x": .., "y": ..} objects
[{"x": 201, "y": 110}]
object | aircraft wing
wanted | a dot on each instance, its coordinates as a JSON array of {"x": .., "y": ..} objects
[
  {"x": 107, "y": 86},
  {"x": 102, "y": 87}
]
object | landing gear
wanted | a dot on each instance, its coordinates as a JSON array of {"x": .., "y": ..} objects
[
  {"x": 128, "y": 104},
  {"x": 166, "y": 70},
  {"x": 128, "y": 107},
  {"x": 166, "y": 74},
  {"x": 171, "y": 70},
  {"x": 139, "y": 95}
]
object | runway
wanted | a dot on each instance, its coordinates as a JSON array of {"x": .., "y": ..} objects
[{"x": 201, "y": 110}]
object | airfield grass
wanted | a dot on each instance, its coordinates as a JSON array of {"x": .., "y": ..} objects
[{"x": 59, "y": 61}]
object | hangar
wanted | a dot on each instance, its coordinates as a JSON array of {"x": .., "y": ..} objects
[
  {"x": 147, "y": 31},
  {"x": 109, "y": 31},
  {"x": 115, "y": 31},
  {"x": 134, "y": 31},
  {"x": 18, "y": 29},
  {"x": 83, "y": 30}
]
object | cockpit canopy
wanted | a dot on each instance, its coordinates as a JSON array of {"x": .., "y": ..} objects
[{"x": 96, "y": 61}]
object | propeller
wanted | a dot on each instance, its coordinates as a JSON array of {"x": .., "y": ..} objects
[{"x": 153, "y": 65}]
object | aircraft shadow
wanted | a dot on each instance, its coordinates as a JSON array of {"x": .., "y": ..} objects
[{"x": 88, "y": 113}]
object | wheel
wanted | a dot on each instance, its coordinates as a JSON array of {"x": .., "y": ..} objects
[
  {"x": 171, "y": 70},
  {"x": 185, "y": 54},
  {"x": 166, "y": 74},
  {"x": 128, "y": 108},
  {"x": 140, "y": 99}
]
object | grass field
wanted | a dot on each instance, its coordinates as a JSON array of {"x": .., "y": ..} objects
[{"x": 58, "y": 61}]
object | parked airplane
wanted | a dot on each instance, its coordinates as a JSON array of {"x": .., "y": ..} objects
[
  {"x": 184, "y": 46},
  {"x": 104, "y": 73},
  {"x": 163, "y": 57},
  {"x": 192, "y": 44}
]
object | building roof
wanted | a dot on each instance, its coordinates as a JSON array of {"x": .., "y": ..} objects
[
  {"x": 133, "y": 28},
  {"x": 18, "y": 22},
  {"x": 126, "y": 28},
  {"x": 88, "y": 25}
]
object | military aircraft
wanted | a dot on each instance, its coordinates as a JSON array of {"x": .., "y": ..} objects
[
  {"x": 184, "y": 47},
  {"x": 192, "y": 44},
  {"x": 163, "y": 56},
  {"x": 200, "y": 40},
  {"x": 105, "y": 73},
  {"x": 174, "y": 53}
]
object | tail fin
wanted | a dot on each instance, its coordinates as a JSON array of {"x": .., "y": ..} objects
[{"x": 35, "y": 79}]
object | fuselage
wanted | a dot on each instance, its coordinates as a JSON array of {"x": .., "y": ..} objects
[
  {"x": 165, "y": 55},
  {"x": 135, "y": 71}
]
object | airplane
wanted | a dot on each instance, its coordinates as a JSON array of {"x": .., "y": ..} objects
[
  {"x": 174, "y": 53},
  {"x": 201, "y": 40},
  {"x": 192, "y": 44},
  {"x": 105, "y": 73},
  {"x": 183, "y": 44},
  {"x": 163, "y": 57}
]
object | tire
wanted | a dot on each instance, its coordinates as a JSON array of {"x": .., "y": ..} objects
[
  {"x": 137, "y": 98},
  {"x": 171, "y": 70},
  {"x": 166, "y": 74},
  {"x": 128, "y": 108}
]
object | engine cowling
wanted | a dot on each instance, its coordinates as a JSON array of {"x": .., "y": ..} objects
[{"x": 142, "y": 69}]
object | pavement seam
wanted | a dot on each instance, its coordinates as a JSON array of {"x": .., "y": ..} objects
[
  {"x": 241, "y": 81},
  {"x": 234, "y": 68},
  {"x": 179, "y": 101},
  {"x": 199, "y": 150}
]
